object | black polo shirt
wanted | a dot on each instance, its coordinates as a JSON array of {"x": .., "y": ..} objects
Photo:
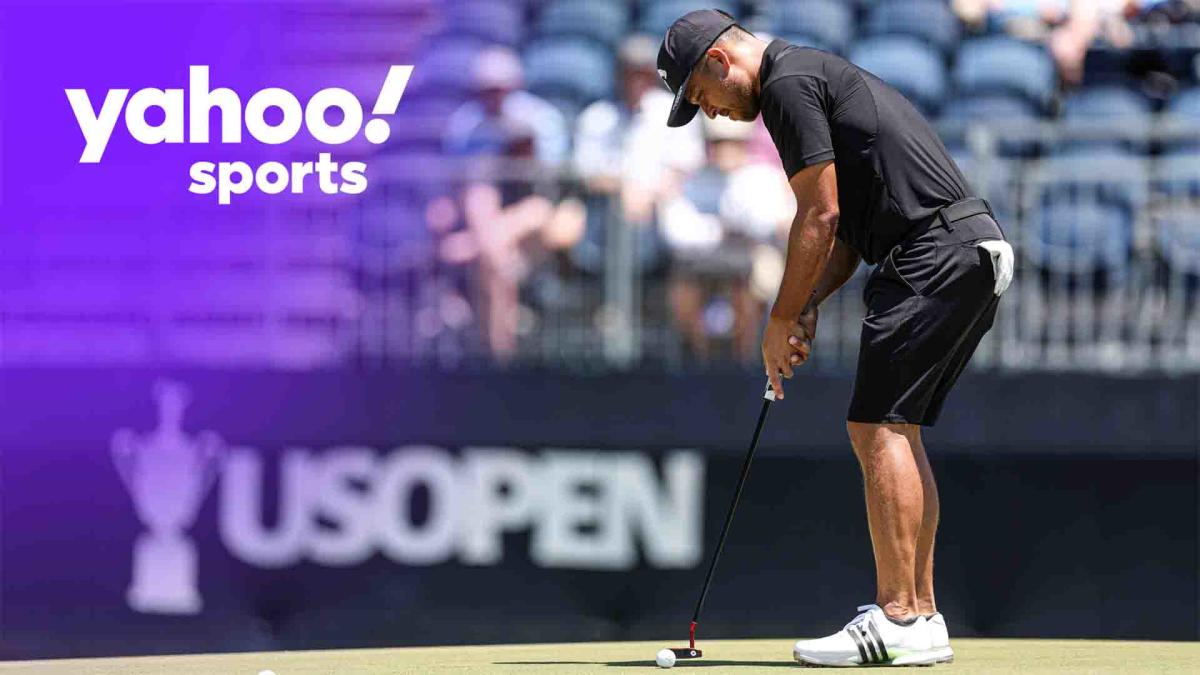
[{"x": 893, "y": 172}]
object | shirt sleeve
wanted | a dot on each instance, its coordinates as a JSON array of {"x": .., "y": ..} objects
[{"x": 793, "y": 110}]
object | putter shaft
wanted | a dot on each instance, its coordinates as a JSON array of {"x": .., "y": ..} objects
[{"x": 768, "y": 397}]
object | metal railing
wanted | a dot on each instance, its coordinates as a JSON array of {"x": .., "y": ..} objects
[
  {"x": 1108, "y": 276},
  {"x": 1105, "y": 219},
  {"x": 1106, "y": 224}
]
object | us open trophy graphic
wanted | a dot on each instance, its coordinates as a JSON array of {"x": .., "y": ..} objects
[{"x": 167, "y": 474}]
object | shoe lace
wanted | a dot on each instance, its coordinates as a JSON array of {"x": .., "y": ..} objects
[{"x": 863, "y": 612}]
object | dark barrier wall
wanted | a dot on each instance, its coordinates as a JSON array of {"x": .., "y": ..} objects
[{"x": 200, "y": 511}]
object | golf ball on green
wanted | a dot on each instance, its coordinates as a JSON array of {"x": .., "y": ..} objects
[{"x": 665, "y": 658}]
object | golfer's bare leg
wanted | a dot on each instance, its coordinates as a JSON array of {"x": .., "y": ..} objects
[
  {"x": 929, "y": 523},
  {"x": 895, "y": 508}
]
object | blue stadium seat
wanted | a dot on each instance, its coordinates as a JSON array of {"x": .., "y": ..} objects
[
  {"x": 491, "y": 21},
  {"x": 1186, "y": 104},
  {"x": 1186, "y": 107},
  {"x": 1109, "y": 174},
  {"x": 911, "y": 66},
  {"x": 1088, "y": 200},
  {"x": 1000, "y": 65},
  {"x": 446, "y": 68},
  {"x": 989, "y": 109},
  {"x": 1106, "y": 106},
  {"x": 658, "y": 15},
  {"x": 606, "y": 21},
  {"x": 569, "y": 71},
  {"x": 826, "y": 24},
  {"x": 1109, "y": 102},
  {"x": 1177, "y": 173},
  {"x": 930, "y": 21},
  {"x": 806, "y": 41},
  {"x": 1082, "y": 238},
  {"x": 1177, "y": 187}
]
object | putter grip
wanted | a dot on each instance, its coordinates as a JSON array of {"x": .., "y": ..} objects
[{"x": 769, "y": 394}]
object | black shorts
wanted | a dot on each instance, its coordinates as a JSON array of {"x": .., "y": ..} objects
[{"x": 929, "y": 303}]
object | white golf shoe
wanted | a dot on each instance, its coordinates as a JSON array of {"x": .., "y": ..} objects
[
  {"x": 939, "y": 638},
  {"x": 871, "y": 639}
]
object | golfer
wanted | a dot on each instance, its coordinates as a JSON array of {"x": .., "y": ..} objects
[{"x": 872, "y": 183}]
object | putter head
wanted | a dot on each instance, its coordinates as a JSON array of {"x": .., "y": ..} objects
[{"x": 686, "y": 653}]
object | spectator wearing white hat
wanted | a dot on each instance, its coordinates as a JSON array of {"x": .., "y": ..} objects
[
  {"x": 722, "y": 230},
  {"x": 625, "y": 159}
]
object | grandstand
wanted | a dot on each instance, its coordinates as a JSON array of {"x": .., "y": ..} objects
[
  {"x": 491, "y": 412},
  {"x": 1098, "y": 183}
]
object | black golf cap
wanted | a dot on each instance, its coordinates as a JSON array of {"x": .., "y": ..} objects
[{"x": 686, "y": 42}]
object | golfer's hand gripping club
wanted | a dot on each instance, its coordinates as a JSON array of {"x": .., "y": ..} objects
[{"x": 785, "y": 347}]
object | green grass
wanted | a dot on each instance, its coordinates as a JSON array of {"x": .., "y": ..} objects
[{"x": 722, "y": 656}]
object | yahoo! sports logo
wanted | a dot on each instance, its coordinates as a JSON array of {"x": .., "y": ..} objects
[{"x": 236, "y": 178}]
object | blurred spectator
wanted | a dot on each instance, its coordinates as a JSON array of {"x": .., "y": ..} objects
[
  {"x": 724, "y": 229},
  {"x": 1067, "y": 27},
  {"x": 502, "y": 227},
  {"x": 508, "y": 230},
  {"x": 1169, "y": 11},
  {"x": 627, "y": 157},
  {"x": 476, "y": 127}
]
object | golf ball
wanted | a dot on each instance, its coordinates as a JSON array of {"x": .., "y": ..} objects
[{"x": 665, "y": 658}]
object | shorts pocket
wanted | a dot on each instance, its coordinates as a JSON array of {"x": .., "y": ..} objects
[
  {"x": 1003, "y": 261},
  {"x": 915, "y": 265}
]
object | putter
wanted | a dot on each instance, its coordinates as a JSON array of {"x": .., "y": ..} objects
[{"x": 690, "y": 652}]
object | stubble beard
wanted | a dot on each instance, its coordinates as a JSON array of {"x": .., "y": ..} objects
[{"x": 748, "y": 106}]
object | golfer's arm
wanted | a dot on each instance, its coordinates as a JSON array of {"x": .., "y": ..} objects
[
  {"x": 811, "y": 239},
  {"x": 843, "y": 262}
]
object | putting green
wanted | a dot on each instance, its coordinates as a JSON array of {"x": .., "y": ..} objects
[{"x": 724, "y": 656}]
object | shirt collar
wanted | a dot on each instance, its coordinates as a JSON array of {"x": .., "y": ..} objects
[{"x": 768, "y": 60}]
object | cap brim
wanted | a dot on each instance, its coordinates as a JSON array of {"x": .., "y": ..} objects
[{"x": 682, "y": 111}]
